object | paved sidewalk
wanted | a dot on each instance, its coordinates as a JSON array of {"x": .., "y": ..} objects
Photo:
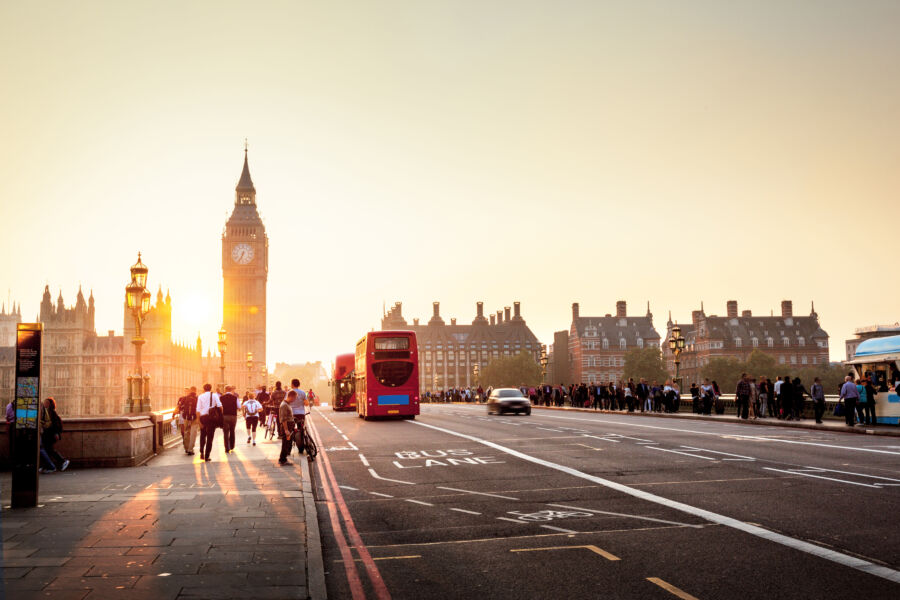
[{"x": 240, "y": 526}]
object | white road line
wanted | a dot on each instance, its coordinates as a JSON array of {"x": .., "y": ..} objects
[
  {"x": 512, "y": 520},
  {"x": 615, "y": 514},
  {"x": 680, "y": 452},
  {"x": 347, "y": 487},
  {"x": 363, "y": 459},
  {"x": 352, "y": 445},
  {"x": 345, "y": 437},
  {"x": 831, "y": 555},
  {"x": 468, "y": 512},
  {"x": 739, "y": 456},
  {"x": 479, "y": 493},
  {"x": 605, "y": 439},
  {"x": 851, "y": 473},
  {"x": 805, "y": 474},
  {"x": 419, "y": 502},
  {"x": 377, "y": 476},
  {"x": 558, "y": 529},
  {"x": 719, "y": 434},
  {"x": 380, "y": 494}
]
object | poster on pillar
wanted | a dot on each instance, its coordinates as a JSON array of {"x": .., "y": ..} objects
[{"x": 25, "y": 443}]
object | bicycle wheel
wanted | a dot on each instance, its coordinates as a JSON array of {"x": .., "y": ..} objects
[{"x": 311, "y": 449}]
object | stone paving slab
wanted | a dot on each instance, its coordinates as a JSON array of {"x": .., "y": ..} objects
[{"x": 177, "y": 528}]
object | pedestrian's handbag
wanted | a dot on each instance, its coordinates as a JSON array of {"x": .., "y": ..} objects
[
  {"x": 215, "y": 414},
  {"x": 839, "y": 409}
]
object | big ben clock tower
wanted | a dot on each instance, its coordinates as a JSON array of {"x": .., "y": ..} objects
[{"x": 245, "y": 267}]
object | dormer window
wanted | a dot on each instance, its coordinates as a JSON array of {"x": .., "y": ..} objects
[
  {"x": 801, "y": 341},
  {"x": 755, "y": 342},
  {"x": 622, "y": 343},
  {"x": 770, "y": 342},
  {"x": 640, "y": 342},
  {"x": 605, "y": 344},
  {"x": 737, "y": 342},
  {"x": 786, "y": 342}
]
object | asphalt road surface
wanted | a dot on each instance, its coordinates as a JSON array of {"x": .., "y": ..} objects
[{"x": 460, "y": 504}]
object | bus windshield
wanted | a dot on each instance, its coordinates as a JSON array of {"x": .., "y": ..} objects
[
  {"x": 392, "y": 373},
  {"x": 392, "y": 343}
]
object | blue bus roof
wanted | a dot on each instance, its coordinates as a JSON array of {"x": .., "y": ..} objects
[{"x": 884, "y": 345}]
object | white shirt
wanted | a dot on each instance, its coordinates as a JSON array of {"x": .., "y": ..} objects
[
  {"x": 297, "y": 406},
  {"x": 778, "y": 387},
  {"x": 204, "y": 403},
  {"x": 252, "y": 407}
]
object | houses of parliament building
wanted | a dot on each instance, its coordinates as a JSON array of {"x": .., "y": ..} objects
[{"x": 85, "y": 372}]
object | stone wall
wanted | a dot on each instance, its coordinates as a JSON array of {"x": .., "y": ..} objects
[{"x": 99, "y": 441}]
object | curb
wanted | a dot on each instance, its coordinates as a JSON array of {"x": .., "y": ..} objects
[
  {"x": 771, "y": 422},
  {"x": 315, "y": 566},
  {"x": 733, "y": 419}
]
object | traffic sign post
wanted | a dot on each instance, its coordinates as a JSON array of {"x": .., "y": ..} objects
[{"x": 26, "y": 435}]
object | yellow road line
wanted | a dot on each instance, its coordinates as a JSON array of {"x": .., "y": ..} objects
[
  {"x": 671, "y": 588},
  {"x": 590, "y": 547}
]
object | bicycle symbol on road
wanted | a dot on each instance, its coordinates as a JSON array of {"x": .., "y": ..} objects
[{"x": 548, "y": 515}]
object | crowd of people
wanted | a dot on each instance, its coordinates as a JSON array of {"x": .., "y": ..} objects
[
  {"x": 285, "y": 410},
  {"x": 754, "y": 397}
]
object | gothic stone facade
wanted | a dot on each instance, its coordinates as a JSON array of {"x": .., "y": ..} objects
[
  {"x": 86, "y": 372},
  {"x": 791, "y": 340},
  {"x": 245, "y": 268},
  {"x": 448, "y": 353},
  {"x": 597, "y": 345}
]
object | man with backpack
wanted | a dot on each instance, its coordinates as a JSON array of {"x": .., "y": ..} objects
[{"x": 190, "y": 425}]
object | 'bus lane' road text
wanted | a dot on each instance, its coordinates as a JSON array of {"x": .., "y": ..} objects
[{"x": 441, "y": 458}]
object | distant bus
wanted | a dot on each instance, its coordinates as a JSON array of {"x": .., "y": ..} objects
[
  {"x": 342, "y": 383},
  {"x": 387, "y": 375},
  {"x": 879, "y": 359}
]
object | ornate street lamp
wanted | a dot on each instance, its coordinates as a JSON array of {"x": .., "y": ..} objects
[
  {"x": 223, "y": 346},
  {"x": 676, "y": 345},
  {"x": 249, "y": 369},
  {"x": 544, "y": 361},
  {"x": 137, "y": 299}
]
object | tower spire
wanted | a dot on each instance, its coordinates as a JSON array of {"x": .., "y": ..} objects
[{"x": 245, "y": 184}]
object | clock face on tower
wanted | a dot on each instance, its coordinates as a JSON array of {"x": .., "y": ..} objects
[{"x": 242, "y": 253}]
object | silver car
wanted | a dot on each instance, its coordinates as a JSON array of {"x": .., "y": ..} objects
[{"x": 504, "y": 400}]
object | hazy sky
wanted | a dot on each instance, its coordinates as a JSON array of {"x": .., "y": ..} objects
[{"x": 547, "y": 152}]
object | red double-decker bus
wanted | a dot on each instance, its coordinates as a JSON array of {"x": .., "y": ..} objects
[
  {"x": 387, "y": 375},
  {"x": 342, "y": 383}
]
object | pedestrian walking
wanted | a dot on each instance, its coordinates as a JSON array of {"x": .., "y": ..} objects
[
  {"x": 230, "y": 405},
  {"x": 286, "y": 426},
  {"x": 765, "y": 392},
  {"x": 861, "y": 402},
  {"x": 870, "y": 405},
  {"x": 817, "y": 392},
  {"x": 849, "y": 395},
  {"x": 742, "y": 396},
  {"x": 209, "y": 411},
  {"x": 51, "y": 432},
  {"x": 190, "y": 424},
  {"x": 252, "y": 409},
  {"x": 786, "y": 398},
  {"x": 708, "y": 396},
  {"x": 298, "y": 408}
]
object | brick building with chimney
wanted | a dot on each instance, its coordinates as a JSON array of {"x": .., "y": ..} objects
[
  {"x": 594, "y": 348},
  {"x": 797, "y": 341},
  {"x": 448, "y": 353}
]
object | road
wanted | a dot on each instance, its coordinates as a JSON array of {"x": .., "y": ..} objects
[{"x": 459, "y": 504}]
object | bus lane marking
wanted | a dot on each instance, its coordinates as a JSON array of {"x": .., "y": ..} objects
[
  {"x": 784, "y": 540},
  {"x": 680, "y": 452},
  {"x": 418, "y": 502},
  {"x": 627, "y": 516},
  {"x": 380, "y": 494},
  {"x": 558, "y": 529},
  {"x": 468, "y": 512},
  {"x": 805, "y": 473},
  {"x": 377, "y": 476}
]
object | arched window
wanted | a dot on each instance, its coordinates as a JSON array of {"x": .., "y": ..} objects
[
  {"x": 737, "y": 342},
  {"x": 622, "y": 343},
  {"x": 770, "y": 342},
  {"x": 640, "y": 342},
  {"x": 801, "y": 341},
  {"x": 605, "y": 344},
  {"x": 786, "y": 341},
  {"x": 755, "y": 342}
]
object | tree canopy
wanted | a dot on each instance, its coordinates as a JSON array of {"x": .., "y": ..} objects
[
  {"x": 511, "y": 371},
  {"x": 726, "y": 371},
  {"x": 646, "y": 363}
]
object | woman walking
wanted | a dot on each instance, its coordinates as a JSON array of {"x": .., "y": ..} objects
[{"x": 52, "y": 427}]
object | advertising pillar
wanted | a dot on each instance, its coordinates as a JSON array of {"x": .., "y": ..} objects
[{"x": 26, "y": 436}]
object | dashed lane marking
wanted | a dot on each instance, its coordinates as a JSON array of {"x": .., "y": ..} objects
[
  {"x": 627, "y": 516},
  {"x": 511, "y": 520},
  {"x": 377, "y": 476},
  {"x": 784, "y": 540},
  {"x": 591, "y": 547},
  {"x": 478, "y": 493},
  {"x": 347, "y": 487},
  {"x": 364, "y": 461},
  {"x": 671, "y": 588},
  {"x": 807, "y": 474},
  {"x": 468, "y": 512},
  {"x": 419, "y": 502},
  {"x": 380, "y": 494},
  {"x": 558, "y": 529},
  {"x": 680, "y": 452}
]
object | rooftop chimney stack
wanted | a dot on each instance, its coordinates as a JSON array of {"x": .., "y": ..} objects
[
  {"x": 574, "y": 310},
  {"x": 746, "y": 313},
  {"x": 480, "y": 310},
  {"x": 453, "y": 320},
  {"x": 416, "y": 322},
  {"x": 499, "y": 317},
  {"x": 732, "y": 309},
  {"x": 517, "y": 311},
  {"x": 506, "y": 310},
  {"x": 695, "y": 316},
  {"x": 620, "y": 308},
  {"x": 437, "y": 308},
  {"x": 787, "y": 308},
  {"x": 493, "y": 319}
]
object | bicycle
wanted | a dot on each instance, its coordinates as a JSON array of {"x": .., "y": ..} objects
[{"x": 270, "y": 426}]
